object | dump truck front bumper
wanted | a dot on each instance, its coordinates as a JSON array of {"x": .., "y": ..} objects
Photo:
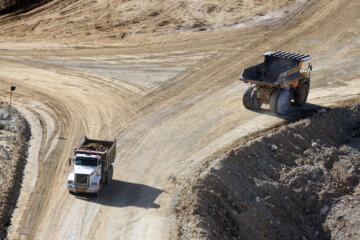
[{"x": 82, "y": 189}]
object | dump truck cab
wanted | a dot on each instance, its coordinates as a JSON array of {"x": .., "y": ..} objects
[{"x": 282, "y": 78}]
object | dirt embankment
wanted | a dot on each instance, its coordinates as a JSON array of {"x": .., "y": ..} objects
[
  {"x": 299, "y": 182},
  {"x": 118, "y": 19},
  {"x": 11, "y": 5},
  {"x": 14, "y": 137}
]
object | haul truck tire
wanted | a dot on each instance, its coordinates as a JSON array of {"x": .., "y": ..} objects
[
  {"x": 273, "y": 100},
  {"x": 283, "y": 101},
  {"x": 301, "y": 93},
  {"x": 254, "y": 102},
  {"x": 246, "y": 97}
]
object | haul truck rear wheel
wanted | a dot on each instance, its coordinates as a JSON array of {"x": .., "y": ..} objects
[
  {"x": 246, "y": 97},
  {"x": 254, "y": 101},
  {"x": 273, "y": 100}
]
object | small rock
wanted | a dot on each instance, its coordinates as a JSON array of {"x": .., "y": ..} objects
[
  {"x": 323, "y": 110},
  {"x": 314, "y": 144},
  {"x": 274, "y": 147}
]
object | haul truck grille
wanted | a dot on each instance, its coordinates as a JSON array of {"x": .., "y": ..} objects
[{"x": 81, "y": 179}]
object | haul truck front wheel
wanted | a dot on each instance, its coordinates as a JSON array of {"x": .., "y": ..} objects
[
  {"x": 283, "y": 101},
  {"x": 301, "y": 93}
]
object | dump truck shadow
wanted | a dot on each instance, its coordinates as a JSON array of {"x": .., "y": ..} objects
[
  {"x": 124, "y": 194},
  {"x": 296, "y": 113}
]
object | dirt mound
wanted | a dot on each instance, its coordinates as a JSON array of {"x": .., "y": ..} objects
[
  {"x": 300, "y": 182},
  {"x": 119, "y": 19},
  {"x": 14, "y": 137},
  {"x": 95, "y": 147}
]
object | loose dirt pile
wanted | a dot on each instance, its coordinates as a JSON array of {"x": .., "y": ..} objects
[
  {"x": 299, "y": 182},
  {"x": 95, "y": 147},
  {"x": 14, "y": 137}
]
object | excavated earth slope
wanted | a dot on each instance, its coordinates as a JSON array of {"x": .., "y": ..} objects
[
  {"x": 299, "y": 182},
  {"x": 117, "y": 19},
  {"x": 14, "y": 137}
]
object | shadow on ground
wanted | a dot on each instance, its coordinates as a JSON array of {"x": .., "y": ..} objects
[
  {"x": 296, "y": 113},
  {"x": 124, "y": 194}
]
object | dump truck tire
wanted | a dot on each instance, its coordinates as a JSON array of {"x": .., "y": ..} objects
[
  {"x": 111, "y": 174},
  {"x": 273, "y": 100},
  {"x": 246, "y": 97},
  {"x": 254, "y": 102},
  {"x": 283, "y": 101},
  {"x": 99, "y": 191},
  {"x": 301, "y": 93},
  {"x": 106, "y": 178}
]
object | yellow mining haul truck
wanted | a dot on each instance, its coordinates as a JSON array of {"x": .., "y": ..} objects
[{"x": 280, "y": 79}]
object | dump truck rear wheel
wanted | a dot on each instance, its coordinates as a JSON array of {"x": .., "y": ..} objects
[
  {"x": 246, "y": 97},
  {"x": 273, "y": 100},
  {"x": 254, "y": 101},
  {"x": 106, "y": 178},
  {"x": 301, "y": 93},
  {"x": 111, "y": 174},
  {"x": 283, "y": 102}
]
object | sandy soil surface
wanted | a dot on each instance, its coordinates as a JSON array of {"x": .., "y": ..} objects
[
  {"x": 171, "y": 100},
  {"x": 14, "y": 136},
  {"x": 119, "y": 19},
  {"x": 299, "y": 182}
]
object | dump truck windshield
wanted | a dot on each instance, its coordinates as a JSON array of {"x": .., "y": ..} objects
[{"x": 85, "y": 161}]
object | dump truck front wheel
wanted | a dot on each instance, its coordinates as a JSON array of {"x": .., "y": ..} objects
[
  {"x": 246, "y": 97},
  {"x": 301, "y": 93},
  {"x": 100, "y": 190},
  {"x": 283, "y": 101}
]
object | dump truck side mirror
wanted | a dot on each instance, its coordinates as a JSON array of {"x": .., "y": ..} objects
[
  {"x": 310, "y": 67},
  {"x": 69, "y": 161}
]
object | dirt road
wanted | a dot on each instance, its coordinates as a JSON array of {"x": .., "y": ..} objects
[{"x": 171, "y": 101}]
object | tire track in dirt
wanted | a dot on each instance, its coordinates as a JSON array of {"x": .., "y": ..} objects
[{"x": 154, "y": 147}]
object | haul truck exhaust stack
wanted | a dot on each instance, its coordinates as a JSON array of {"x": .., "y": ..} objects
[{"x": 93, "y": 166}]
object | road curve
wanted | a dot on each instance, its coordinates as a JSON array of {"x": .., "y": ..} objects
[{"x": 170, "y": 103}]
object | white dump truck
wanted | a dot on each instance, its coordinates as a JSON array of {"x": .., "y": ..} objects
[{"x": 93, "y": 166}]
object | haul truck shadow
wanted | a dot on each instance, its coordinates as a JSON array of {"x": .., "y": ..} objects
[
  {"x": 295, "y": 112},
  {"x": 124, "y": 194}
]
